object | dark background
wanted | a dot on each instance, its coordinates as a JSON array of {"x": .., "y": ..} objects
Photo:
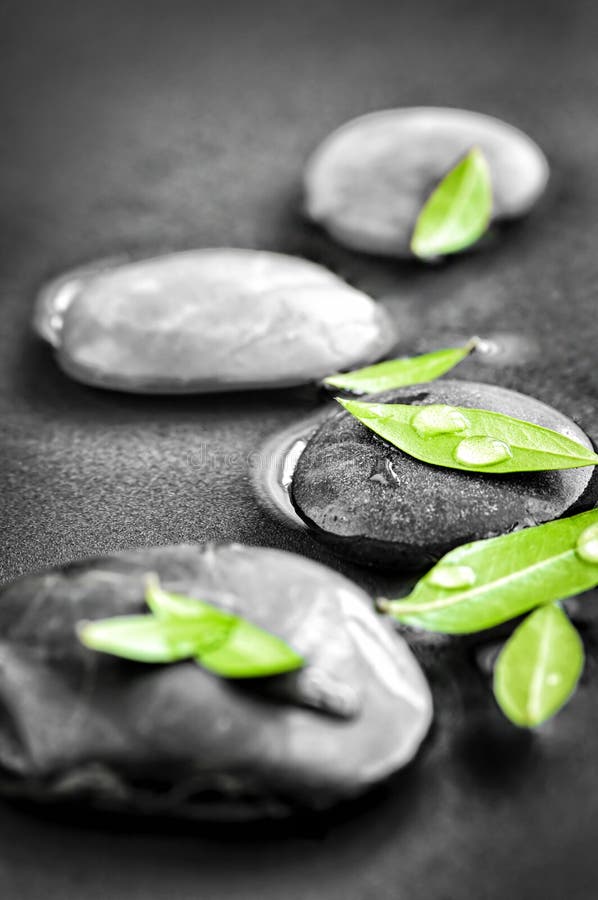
[{"x": 139, "y": 126}]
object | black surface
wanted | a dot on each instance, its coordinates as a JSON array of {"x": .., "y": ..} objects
[{"x": 139, "y": 126}]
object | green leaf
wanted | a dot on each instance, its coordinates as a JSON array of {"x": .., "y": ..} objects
[
  {"x": 485, "y": 583},
  {"x": 472, "y": 440},
  {"x": 458, "y": 211},
  {"x": 146, "y": 639},
  {"x": 395, "y": 373},
  {"x": 169, "y": 606},
  {"x": 245, "y": 651},
  {"x": 539, "y": 667},
  {"x": 250, "y": 652}
]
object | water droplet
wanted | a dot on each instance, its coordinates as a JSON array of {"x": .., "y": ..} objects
[
  {"x": 487, "y": 347},
  {"x": 439, "y": 419},
  {"x": 290, "y": 461},
  {"x": 273, "y": 466},
  {"x": 379, "y": 477},
  {"x": 552, "y": 679},
  {"x": 587, "y": 544},
  {"x": 451, "y": 577},
  {"x": 505, "y": 349},
  {"x": 482, "y": 450},
  {"x": 374, "y": 411}
]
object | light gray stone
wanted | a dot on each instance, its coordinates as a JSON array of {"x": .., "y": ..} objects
[
  {"x": 209, "y": 320},
  {"x": 367, "y": 182}
]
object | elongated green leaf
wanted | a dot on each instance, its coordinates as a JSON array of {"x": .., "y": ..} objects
[
  {"x": 473, "y": 440},
  {"x": 250, "y": 652},
  {"x": 539, "y": 667},
  {"x": 146, "y": 639},
  {"x": 458, "y": 211},
  {"x": 485, "y": 583},
  {"x": 395, "y": 373}
]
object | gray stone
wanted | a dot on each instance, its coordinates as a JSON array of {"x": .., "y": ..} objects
[
  {"x": 376, "y": 504},
  {"x": 209, "y": 320},
  {"x": 367, "y": 182},
  {"x": 178, "y": 740}
]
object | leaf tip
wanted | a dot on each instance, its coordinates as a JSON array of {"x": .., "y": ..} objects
[
  {"x": 81, "y": 628},
  {"x": 152, "y": 590}
]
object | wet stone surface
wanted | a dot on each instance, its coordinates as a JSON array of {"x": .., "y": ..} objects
[
  {"x": 208, "y": 320},
  {"x": 176, "y": 740},
  {"x": 373, "y": 503},
  {"x": 367, "y": 182}
]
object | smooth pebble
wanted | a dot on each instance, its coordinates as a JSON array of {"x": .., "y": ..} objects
[
  {"x": 209, "y": 320},
  {"x": 177, "y": 740},
  {"x": 367, "y": 182}
]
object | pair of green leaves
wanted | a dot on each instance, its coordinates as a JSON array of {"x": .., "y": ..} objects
[
  {"x": 485, "y": 583},
  {"x": 180, "y": 628}
]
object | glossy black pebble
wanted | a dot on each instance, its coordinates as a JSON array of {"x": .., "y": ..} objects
[{"x": 374, "y": 504}]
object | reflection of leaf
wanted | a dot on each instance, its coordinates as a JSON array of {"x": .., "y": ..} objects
[
  {"x": 539, "y": 667},
  {"x": 458, "y": 211},
  {"x": 395, "y": 373},
  {"x": 506, "y": 576},
  {"x": 462, "y": 438}
]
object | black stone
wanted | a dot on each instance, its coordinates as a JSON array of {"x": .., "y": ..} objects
[
  {"x": 375, "y": 504},
  {"x": 177, "y": 740}
]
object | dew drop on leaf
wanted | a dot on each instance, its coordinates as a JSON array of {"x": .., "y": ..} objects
[
  {"x": 481, "y": 450},
  {"x": 451, "y": 577},
  {"x": 587, "y": 544},
  {"x": 439, "y": 419}
]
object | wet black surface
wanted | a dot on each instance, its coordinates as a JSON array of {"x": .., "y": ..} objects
[{"x": 147, "y": 126}]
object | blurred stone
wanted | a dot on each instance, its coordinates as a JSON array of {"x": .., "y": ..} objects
[{"x": 177, "y": 740}]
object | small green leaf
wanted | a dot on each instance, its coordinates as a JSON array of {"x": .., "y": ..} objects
[
  {"x": 168, "y": 606},
  {"x": 473, "y": 440},
  {"x": 539, "y": 667},
  {"x": 146, "y": 639},
  {"x": 395, "y": 373},
  {"x": 250, "y": 652},
  {"x": 493, "y": 581},
  {"x": 245, "y": 650},
  {"x": 458, "y": 211}
]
